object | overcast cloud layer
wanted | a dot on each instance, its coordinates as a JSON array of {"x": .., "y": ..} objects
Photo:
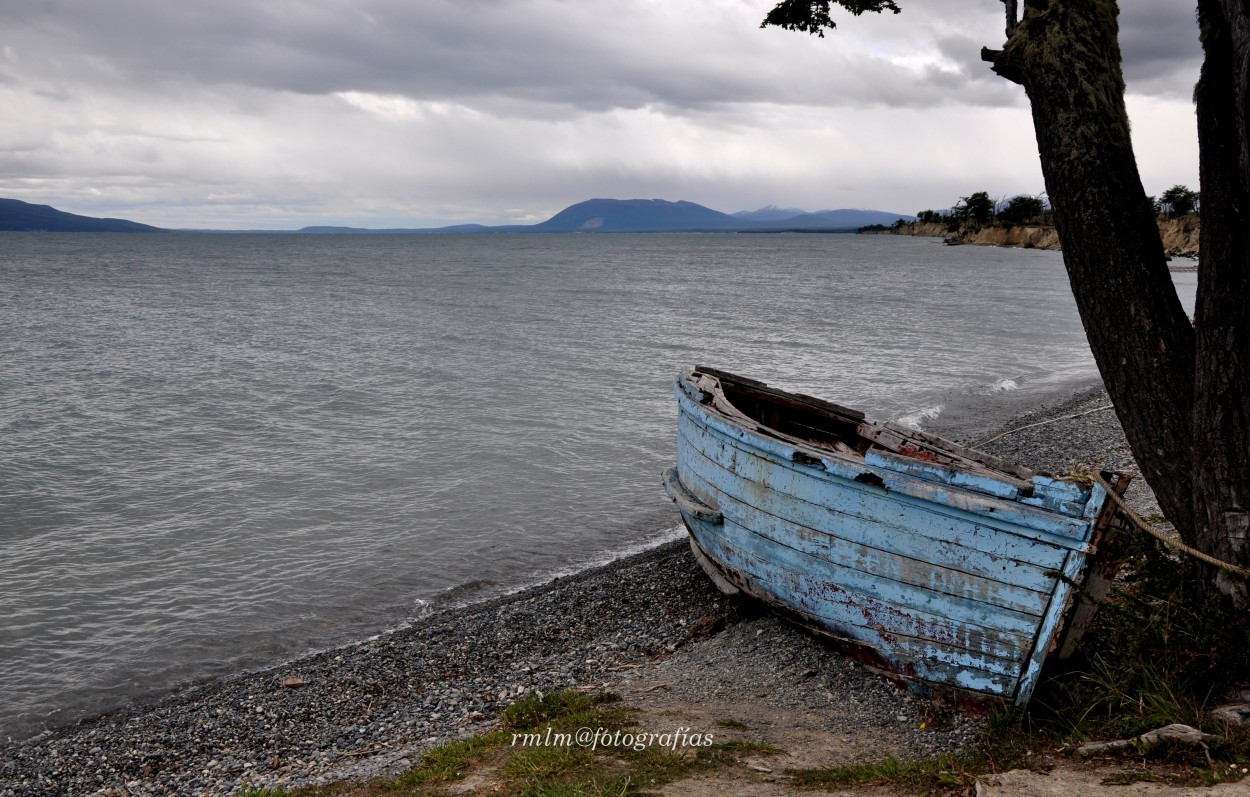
[{"x": 237, "y": 114}]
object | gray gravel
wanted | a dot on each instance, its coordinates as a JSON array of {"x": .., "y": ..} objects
[{"x": 371, "y": 707}]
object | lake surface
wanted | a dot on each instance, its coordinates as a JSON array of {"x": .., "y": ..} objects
[{"x": 221, "y": 451}]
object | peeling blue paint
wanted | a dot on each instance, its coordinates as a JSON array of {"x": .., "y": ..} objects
[{"x": 946, "y": 572}]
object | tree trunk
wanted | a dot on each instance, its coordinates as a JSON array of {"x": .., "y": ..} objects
[
  {"x": 1181, "y": 390},
  {"x": 1221, "y": 422},
  {"x": 1066, "y": 54}
]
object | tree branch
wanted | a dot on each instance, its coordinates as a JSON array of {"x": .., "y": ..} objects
[{"x": 1003, "y": 66}]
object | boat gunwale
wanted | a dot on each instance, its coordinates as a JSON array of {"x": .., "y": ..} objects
[{"x": 1036, "y": 519}]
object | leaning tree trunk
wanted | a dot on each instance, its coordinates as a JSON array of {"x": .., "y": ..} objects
[
  {"x": 1066, "y": 55},
  {"x": 1221, "y": 422},
  {"x": 1181, "y": 390}
]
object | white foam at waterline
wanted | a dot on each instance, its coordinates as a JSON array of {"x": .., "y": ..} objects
[
  {"x": 1006, "y": 385},
  {"x": 913, "y": 420}
]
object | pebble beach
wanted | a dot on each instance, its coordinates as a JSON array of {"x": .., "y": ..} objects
[{"x": 650, "y": 626}]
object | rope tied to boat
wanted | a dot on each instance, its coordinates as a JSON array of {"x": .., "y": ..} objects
[
  {"x": 1168, "y": 539},
  {"x": 1137, "y": 520}
]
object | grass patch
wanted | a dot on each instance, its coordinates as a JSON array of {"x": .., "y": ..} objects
[
  {"x": 1004, "y": 745},
  {"x": 919, "y": 775},
  {"x": 537, "y": 752}
]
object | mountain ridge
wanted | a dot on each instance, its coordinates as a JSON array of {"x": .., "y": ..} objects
[
  {"x": 599, "y": 215},
  {"x": 19, "y": 216}
]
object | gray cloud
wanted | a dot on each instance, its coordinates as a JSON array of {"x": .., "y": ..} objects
[
  {"x": 1160, "y": 47},
  {"x": 587, "y": 55},
  {"x": 465, "y": 109}
]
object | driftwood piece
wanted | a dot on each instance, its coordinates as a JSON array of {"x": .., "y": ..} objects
[
  {"x": 1235, "y": 714},
  {"x": 1179, "y": 733}
]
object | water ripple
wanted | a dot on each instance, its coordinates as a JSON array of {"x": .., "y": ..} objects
[{"x": 223, "y": 450}]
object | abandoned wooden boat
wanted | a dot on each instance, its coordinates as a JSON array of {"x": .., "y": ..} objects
[{"x": 941, "y": 564}]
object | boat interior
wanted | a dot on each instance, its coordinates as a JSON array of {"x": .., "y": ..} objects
[{"x": 823, "y": 424}]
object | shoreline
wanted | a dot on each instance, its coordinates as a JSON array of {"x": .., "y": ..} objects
[
  {"x": 649, "y": 626},
  {"x": 1179, "y": 236}
]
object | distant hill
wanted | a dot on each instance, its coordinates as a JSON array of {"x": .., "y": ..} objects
[
  {"x": 795, "y": 219},
  {"x": 769, "y": 213},
  {"x": 18, "y": 216},
  {"x": 635, "y": 215},
  {"x": 332, "y": 230},
  {"x": 852, "y": 217},
  {"x": 593, "y": 215}
]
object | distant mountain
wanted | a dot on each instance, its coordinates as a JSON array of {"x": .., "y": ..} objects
[
  {"x": 795, "y": 219},
  {"x": 852, "y": 217},
  {"x": 659, "y": 215},
  {"x": 18, "y": 216},
  {"x": 332, "y": 230},
  {"x": 593, "y": 215},
  {"x": 769, "y": 213},
  {"x": 635, "y": 215}
]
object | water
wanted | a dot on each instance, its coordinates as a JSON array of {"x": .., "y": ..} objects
[{"x": 222, "y": 451}]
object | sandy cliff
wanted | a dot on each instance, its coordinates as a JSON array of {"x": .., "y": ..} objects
[{"x": 1180, "y": 236}]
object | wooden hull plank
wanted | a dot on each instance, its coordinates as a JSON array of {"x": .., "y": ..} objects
[
  {"x": 901, "y": 609},
  {"x": 874, "y": 560},
  {"x": 1042, "y": 525},
  {"x": 986, "y": 550},
  {"x": 870, "y": 623}
]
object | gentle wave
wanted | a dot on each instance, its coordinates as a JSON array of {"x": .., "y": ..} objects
[{"x": 916, "y": 419}]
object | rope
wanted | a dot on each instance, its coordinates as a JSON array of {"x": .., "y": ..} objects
[
  {"x": 1040, "y": 423},
  {"x": 1168, "y": 539},
  {"x": 1137, "y": 519}
]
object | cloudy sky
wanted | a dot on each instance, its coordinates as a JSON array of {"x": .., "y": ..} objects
[{"x": 277, "y": 114}]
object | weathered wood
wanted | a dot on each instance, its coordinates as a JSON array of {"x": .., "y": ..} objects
[
  {"x": 892, "y": 566},
  {"x": 782, "y": 398},
  {"x": 1052, "y": 622},
  {"x": 980, "y": 480},
  {"x": 969, "y": 454},
  {"x": 797, "y": 580},
  {"x": 686, "y": 501},
  {"x": 1011, "y": 517},
  {"x": 851, "y": 601},
  {"x": 713, "y": 572},
  {"x": 845, "y": 621},
  {"x": 948, "y": 571},
  {"x": 1169, "y": 733},
  {"x": 864, "y": 515},
  {"x": 1234, "y": 714},
  {"x": 1109, "y": 529},
  {"x": 931, "y": 448}
]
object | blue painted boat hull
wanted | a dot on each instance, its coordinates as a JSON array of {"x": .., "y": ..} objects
[{"x": 941, "y": 564}]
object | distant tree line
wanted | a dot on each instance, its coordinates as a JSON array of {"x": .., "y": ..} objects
[
  {"x": 980, "y": 209},
  {"x": 1177, "y": 201}
]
